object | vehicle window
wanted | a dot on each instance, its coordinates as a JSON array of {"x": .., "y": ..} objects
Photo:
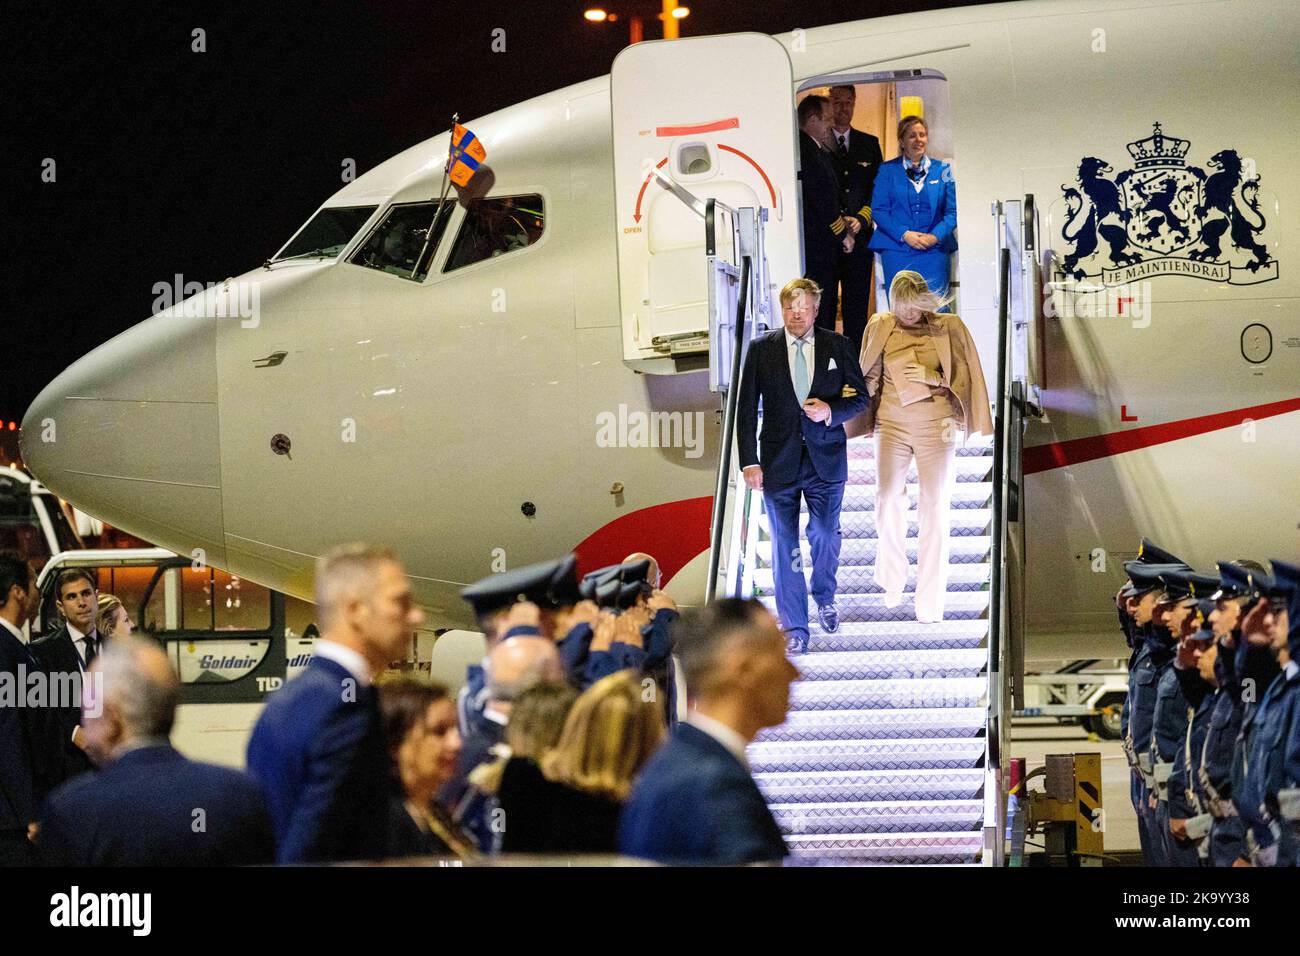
[
  {"x": 404, "y": 243},
  {"x": 327, "y": 233},
  {"x": 208, "y": 600},
  {"x": 20, "y": 527},
  {"x": 495, "y": 227}
]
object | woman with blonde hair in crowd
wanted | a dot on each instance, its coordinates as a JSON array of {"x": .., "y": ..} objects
[
  {"x": 571, "y": 802},
  {"x": 927, "y": 395},
  {"x": 111, "y": 619}
]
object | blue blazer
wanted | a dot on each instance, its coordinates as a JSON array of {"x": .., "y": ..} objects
[
  {"x": 891, "y": 207},
  {"x": 319, "y": 751},
  {"x": 141, "y": 810},
  {"x": 696, "y": 803},
  {"x": 786, "y": 428}
]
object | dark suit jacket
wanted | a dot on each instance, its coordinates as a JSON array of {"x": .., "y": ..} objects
[
  {"x": 141, "y": 810},
  {"x": 30, "y": 755},
  {"x": 546, "y": 817},
  {"x": 319, "y": 750},
  {"x": 820, "y": 189},
  {"x": 58, "y": 656},
  {"x": 696, "y": 803},
  {"x": 766, "y": 375},
  {"x": 891, "y": 206},
  {"x": 857, "y": 176}
]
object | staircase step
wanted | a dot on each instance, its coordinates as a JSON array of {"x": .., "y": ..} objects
[
  {"x": 865, "y": 448},
  {"x": 898, "y": 635},
  {"x": 879, "y": 817},
  {"x": 881, "y": 724},
  {"x": 887, "y": 694},
  {"x": 871, "y": 785},
  {"x": 958, "y": 605},
  {"x": 960, "y": 753},
  {"x": 964, "y": 469},
  {"x": 901, "y": 848},
  {"x": 962, "y": 522},
  {"x": 857, "y": 579},
  {"x": 860, "y": 497},
  {"x": 896, "y": 665}
]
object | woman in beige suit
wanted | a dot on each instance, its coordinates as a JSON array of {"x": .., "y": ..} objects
[{"x": 927, "y": 396}]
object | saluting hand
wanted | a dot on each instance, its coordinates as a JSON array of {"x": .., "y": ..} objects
[
  {"x": 604, "y": 631},
  {"x": 1253, "y": 627},
  {"x": 584, "y": 612},
  {"x": 659, "y": 600}
]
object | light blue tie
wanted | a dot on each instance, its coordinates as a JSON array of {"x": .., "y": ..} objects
[{"x": 801, "y": 385}]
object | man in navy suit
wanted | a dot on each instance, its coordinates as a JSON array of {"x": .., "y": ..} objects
[
  {"x": 695, "y": 801},
  {"x": 148, "y": 806},
  {"x": 30, "y": 749},
  {"x": 319, "y": 746},
  {"x": 810, "y": 384},
  {"x": 65, "y": 655}
]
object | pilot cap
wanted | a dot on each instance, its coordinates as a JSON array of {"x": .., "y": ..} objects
[
  {"x": 1234, "y": 581},
  {"x": 1151, "y": 553},
  {"x": 1286, "y": 577},
  {"x": 548, "y": 584},
  {"x": 1187, "y": 584},
  {"x": 1146, "y": 577}
]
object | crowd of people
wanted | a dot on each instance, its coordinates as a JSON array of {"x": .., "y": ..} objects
[
  {"x": 1212, "y": 719},
  {"x": 572, "y": 737}
]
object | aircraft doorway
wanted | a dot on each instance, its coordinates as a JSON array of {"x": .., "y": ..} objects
[{"x": 878, "y": 102}]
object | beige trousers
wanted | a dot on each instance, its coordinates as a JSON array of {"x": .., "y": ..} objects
[{"x": 934, "y": 446}]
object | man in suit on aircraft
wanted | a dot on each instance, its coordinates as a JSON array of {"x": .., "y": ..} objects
[
  {"x": 826, "y": 233},
  {"x": 695, "y": 801},
  {"x": 149, "y": 806},
  {"x": 319, "y": 747},
  {"x": 857, "y": 158},
  {"x": 66, "y": 654},
  {"x": 810, "y": 383}
]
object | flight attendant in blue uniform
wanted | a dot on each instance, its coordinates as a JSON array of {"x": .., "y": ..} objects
[{"x": 914, "y": 203}]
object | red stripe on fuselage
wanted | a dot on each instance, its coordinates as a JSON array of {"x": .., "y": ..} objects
[
  {"x": 673, "y": 533},
  {"x": 1077, "y": 450}
]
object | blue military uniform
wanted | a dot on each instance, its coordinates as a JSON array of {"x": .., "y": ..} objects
[
  {"x": 1169, "y": 724},
  {"x": 1267, "y": 732},
  {"x": 1184, "y": 778},
  {"x": 1149, "y": 661}
]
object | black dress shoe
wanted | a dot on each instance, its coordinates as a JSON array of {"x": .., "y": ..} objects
[
  {"x": 796, "y": 643},
  {"x": 829, "y": 617}
]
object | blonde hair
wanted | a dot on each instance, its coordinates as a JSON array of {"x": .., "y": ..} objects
[
  {"x": 537, "y": 719},
  {"x": 906, "y": 123},
  {"x": 797, "y": 286},
  {"x": 104, "y": 619},
  {"x": 909, "y": 289},
  {"x": 609, "y": 735}
]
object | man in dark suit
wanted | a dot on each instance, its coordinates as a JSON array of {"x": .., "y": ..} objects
[
  {"x": 148, "y": 806},
  {"x": 826, "y": 233},
  {"x": 64, "y": 656},
  {"x": 28, "y": 746},
  {"x": 857, "y": 158},
  {"x": 319, "y": 747},
  {"x": 695, "y": 801},
  {"x": 810, "y": 384}
]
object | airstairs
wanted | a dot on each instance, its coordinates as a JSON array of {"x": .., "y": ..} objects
[{"x": 893, "y": 749}]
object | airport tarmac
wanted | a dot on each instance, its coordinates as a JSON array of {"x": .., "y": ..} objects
[{"x": 1035, "y": 739}]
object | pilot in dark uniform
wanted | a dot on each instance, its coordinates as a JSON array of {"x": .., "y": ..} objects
[
  {"x": 1150, "y": 661},
  {"x": 824, "y": 232},
  {"x": 1267, "y": 730}
]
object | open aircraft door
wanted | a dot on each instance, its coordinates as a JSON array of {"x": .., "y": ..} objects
[{"x": 714, "y": 116}]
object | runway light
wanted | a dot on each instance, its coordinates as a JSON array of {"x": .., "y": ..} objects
[
  {"x": 681, "y": 12},
  {"x": 596, "y": 15}
]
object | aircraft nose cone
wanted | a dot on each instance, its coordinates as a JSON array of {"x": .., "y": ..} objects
[{"x": 129, "y": 434}]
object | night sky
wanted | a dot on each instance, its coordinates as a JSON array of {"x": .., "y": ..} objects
[{"x": 203, "y": 164}]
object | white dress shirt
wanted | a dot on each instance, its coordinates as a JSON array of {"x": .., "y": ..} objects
[
  {"x": 350, "y": 660},
  {"x": 792, "y": 352},
  {"x": 720, "y": 732},
  {"x": 79, "y": 642}
]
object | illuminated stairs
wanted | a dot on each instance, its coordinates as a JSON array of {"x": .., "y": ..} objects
[{"x": 881, "y": 760}]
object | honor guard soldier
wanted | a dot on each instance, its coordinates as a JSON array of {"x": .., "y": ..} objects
[
  {"x": 1195, "y": 668},
  {"x": 1269, "y": 768},
  {"x": 1143, "y": 676},
  {"x": 1170, "y": 715}
]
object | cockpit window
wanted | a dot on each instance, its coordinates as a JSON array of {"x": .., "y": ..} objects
[
  {"x": 495, "y": 227},
  {"x": 326, "y": 234},
  {"x": 404, "y": 243}
]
